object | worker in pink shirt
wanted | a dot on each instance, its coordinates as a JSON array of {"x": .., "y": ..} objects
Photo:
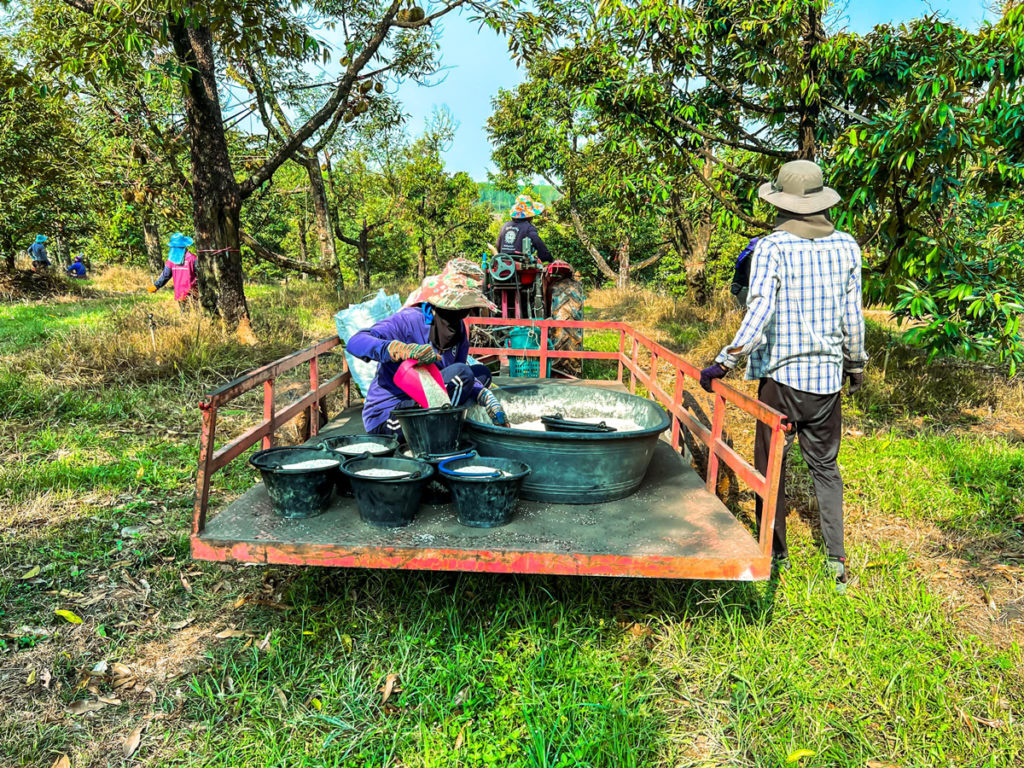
[{"x": 181, "y": 268}]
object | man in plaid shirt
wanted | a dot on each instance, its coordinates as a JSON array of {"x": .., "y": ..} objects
[{"x": 804, "y": 335}]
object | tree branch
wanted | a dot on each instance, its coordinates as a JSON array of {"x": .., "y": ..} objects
[
  {"x": 577, "y": 225},
  {"x": 265, "y": 254},
  {"x": 322, "y": 115},
  {"x": 731, "y": 206}
]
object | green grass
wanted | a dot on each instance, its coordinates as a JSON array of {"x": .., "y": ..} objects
[{"x": 489, "y": 670}]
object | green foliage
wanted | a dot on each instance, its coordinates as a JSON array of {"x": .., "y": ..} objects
[
  {"x": 500, "y": 200},
  {"x": 920, "y": 127}
]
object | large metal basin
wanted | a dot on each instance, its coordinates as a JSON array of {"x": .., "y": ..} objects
[{"x": 572, "y": 467}]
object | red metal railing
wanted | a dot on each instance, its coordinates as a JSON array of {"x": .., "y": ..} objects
[
  {"x": 663, "y": 363},
  {"x": 212, "y": 459}
]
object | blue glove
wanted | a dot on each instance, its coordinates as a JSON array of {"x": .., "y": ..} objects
[
  {"x": 489, "y": 403},
  {"x": 711, "y": 373}
]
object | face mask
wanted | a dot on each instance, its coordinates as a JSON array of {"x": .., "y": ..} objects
[{"x": 446, "y": 328}]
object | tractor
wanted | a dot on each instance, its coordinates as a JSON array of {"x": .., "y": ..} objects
[{"x": 512, "y": 282}]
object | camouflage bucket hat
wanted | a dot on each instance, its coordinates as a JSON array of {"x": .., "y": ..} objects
[
  {"x": 459, "y": 267},
  {"x": 451, "y": 290}
]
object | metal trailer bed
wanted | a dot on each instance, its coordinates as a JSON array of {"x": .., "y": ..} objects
[{"x": 674, "y": 527}]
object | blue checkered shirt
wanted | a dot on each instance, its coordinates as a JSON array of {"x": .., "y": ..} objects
[{"x": 804, "y": 317}]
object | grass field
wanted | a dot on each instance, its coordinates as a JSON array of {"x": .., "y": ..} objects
[{"x": 919, "y": 665}]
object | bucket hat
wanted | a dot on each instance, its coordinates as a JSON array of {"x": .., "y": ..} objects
[
  {"x": 460, "y": 266},
  {"x": 799, "y": 188},
  {"x": 178, "y": 244},
  {"x": 452, "y": 290},
  {"x": 41, "y": 239},
  {"x": 525, "y": 207}
]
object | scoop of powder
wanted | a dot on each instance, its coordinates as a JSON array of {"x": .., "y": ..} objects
[{"x": 311, "y": 464}]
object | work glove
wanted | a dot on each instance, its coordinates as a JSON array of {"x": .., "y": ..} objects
[
  {"x": 421, "y": 353},
  {"x": 711, "y": 373},
  {"x": 489, "y": 403},
  {"x": 152, "y": 289},
  {"x": 856, "y": 380}
]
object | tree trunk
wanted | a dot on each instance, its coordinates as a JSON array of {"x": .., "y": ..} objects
[
  {"x": 421, "y": 261},
  {"x": 7, "y": 245},
  {"x": 216, "y": 198},
  {"x": 363, "y": 258},
  {"x": 622, "y": 252},
  {"x": 151, "y": 236},
  {"x": 324, "y": 230},
  {"x": 809, "y": 106},
  {"x": 303, "y": 248},
  {"x": 61, "y": 249}
]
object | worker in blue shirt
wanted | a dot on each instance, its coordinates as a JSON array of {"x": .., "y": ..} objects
[
  {"x": 77, "y": 268},
  {"x": 37, "y": 252}
]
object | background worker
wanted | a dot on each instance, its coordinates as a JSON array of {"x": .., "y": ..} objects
[
  {"x": 37, "y": 252},
  {"x": 804, "y": 333},
  {"x": 181, "y": 268},
  {"x": 519, "y": 235},
  {"x": 432, "y": 331},
  {"x": 77, "y": 268}
]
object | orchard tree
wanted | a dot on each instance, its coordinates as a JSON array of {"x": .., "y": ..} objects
[
  {"x": 615, "y": 196},
  {"x": 192, "y": 42},
  {"x": 445, "y": 216},
  {"x": 915, "y": 125},
  {"x": 41, "y": 156}
]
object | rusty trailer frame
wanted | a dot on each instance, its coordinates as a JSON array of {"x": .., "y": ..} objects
[{"x": 640, "y": 361}]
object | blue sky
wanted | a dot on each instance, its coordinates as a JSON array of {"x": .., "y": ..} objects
[{"x": 477, "y": 66}]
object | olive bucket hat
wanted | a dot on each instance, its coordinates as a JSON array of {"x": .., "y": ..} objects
[{"x": 799, "y": 188}]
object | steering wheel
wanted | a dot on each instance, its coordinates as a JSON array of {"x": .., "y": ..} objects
[{"x": 502, "y": 267}]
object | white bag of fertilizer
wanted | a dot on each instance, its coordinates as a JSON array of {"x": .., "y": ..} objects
[{"x": 358, "y": 317}]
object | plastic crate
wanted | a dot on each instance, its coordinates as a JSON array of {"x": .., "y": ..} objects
[{"x": 525, "y": 367}]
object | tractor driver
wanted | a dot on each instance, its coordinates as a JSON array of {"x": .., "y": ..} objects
[
  {"x": 519, "y": 235},
  {"x": 430, "y": 331}
]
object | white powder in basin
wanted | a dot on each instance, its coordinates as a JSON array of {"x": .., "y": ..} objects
[
  {"x": 311, "y": 464},
  {"x": 620, "y": 425},
  {"x": 382, "y": 474},
  {"x": 356, "y": 449}
]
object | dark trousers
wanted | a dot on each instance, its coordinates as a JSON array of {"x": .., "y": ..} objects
[
  {"x": 458, "y": 379},
  {"x": 818, "y": 422}
]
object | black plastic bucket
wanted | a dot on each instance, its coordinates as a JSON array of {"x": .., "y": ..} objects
[
  {"x": 388, "y": 503},
  {"x": 485, "y": 501},
  {"x": 437, "y": 491},
  {"x": 332, "y": 444},
  {"x": 296, "y": 492},
  {"x": 432, "y": 430}
]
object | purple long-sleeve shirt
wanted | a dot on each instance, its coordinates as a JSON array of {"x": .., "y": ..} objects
[{"x": 407, "y": 325}]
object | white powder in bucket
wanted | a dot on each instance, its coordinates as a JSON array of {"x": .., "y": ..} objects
[
  {"x": 311, "y": 464},
  {"x": 356, "y": 449},
  {"x": 383, "y": 474},
  {"x": 480, "y": 469}
]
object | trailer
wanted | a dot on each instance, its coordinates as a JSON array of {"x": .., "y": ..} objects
[{"x": 675, "y": 526}]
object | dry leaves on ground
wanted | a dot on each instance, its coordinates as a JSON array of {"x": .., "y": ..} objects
[
  {"x": 133, "y": 740},
  {"x": 389, "y": 687}
]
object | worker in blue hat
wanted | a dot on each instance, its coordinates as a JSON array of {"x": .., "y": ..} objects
[
  {"x": 180, "y": 268},
  {"x": 37, "y": 251}
]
